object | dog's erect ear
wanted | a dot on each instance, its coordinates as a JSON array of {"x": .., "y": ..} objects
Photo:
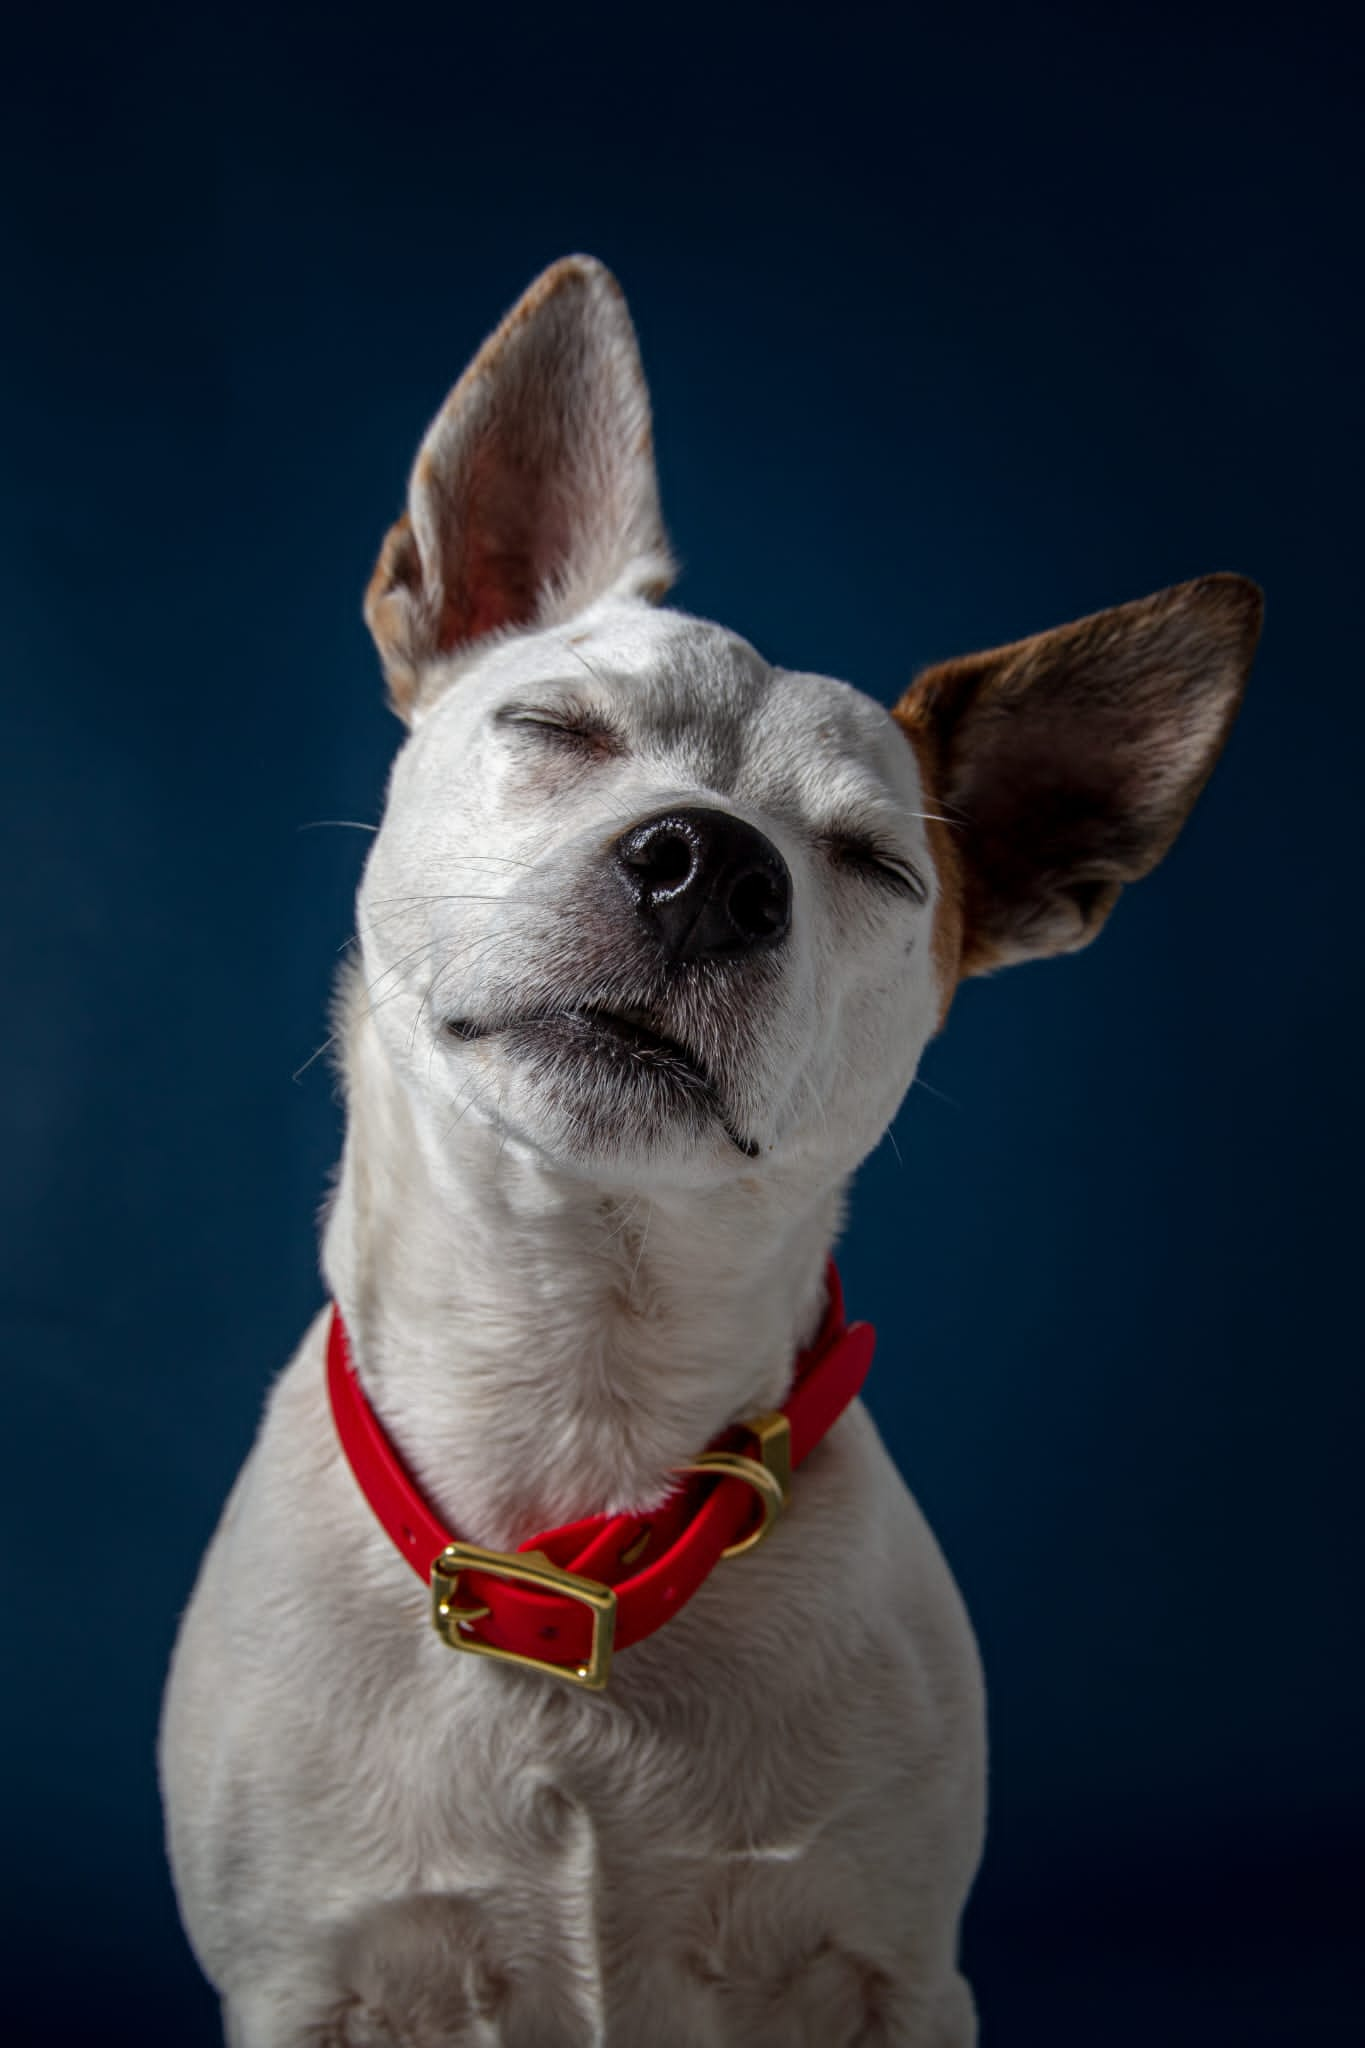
[
  {"x": 534, "y": 491},
  {"x": 1066, "y": 764}
]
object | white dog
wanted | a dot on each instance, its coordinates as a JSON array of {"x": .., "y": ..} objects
[{"x": 651, "y": 940}]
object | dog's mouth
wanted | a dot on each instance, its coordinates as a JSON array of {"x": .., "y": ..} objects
[{"x": 628, "y": 1041}]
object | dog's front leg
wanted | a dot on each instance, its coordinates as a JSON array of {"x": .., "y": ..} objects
[
  {"x": 433, "y": 1970},
  {"x": 955, "y": 2021},
  {"x": 276, "y": 2016},
  {"x": 835, "y": 1998}
]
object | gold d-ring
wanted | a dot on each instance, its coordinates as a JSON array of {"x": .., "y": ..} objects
[{"x": 735, "y": 1465}]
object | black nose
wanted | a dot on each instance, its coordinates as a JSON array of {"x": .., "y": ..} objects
[{"x": 708, "y": 886}]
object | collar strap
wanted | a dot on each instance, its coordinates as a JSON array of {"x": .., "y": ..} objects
[{"x": 565, "y": 1598}]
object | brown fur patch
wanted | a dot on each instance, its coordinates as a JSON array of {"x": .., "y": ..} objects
[
  {"x": 1073, "y": 758},
  {"x": 394, "y": 590},
  {"x": 947, "y": 936}
]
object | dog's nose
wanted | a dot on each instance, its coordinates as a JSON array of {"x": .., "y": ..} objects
[{"x": 708, "y": 886}]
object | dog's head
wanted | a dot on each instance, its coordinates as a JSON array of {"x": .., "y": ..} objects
[{"x": 662, "y": 912}]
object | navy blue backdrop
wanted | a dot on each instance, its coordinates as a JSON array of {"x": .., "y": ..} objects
[{"x": 955, "y": 331}]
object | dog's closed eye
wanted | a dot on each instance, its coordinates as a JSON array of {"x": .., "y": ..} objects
[
  {"x": 573, "y": 727},
  {"x": 864, "y": 856}
]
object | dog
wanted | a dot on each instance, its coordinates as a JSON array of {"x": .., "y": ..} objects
[{"x": 650, "y": 941}]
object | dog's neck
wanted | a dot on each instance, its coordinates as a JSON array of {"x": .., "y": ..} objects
[{"x": 537, "y": 1348}]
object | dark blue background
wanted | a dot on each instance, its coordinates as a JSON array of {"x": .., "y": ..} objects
[{"x": 955, "y": 330}]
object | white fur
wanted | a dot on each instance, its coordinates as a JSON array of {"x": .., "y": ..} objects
[
  {"x": 777, "y": 1804},
  {"x": 764, "y": 1830}
]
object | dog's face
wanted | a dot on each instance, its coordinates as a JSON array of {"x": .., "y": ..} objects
[
  {"x": 655, "y": 906},
  {"x": 667, "y": 915}
]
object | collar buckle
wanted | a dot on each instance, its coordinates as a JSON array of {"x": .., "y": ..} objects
[{"x": 535, "y": 1571}]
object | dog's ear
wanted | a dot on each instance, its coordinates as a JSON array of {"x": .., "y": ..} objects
[
  {"x": 534, "y": 491},
  {"x": 1065, "y": 765}
]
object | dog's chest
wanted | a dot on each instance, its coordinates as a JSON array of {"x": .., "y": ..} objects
[
  {"x": 738, "y": 1732},
  {"x": 759, "y": 1785},
  {"x": 703, "y": 1750},
  {"x": 697, "y": 1836}
]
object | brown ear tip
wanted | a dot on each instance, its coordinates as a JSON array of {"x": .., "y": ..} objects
[
  {"x": 1235, "y": 596},
  {"x": 578, "y": 272},
  {"x": 398, "y": 565}
]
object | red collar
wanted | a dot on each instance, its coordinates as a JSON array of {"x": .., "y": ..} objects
[{"x": 563, "y": 1598}]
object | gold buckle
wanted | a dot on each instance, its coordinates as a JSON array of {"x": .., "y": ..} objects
[
  {"x": 529, "y": 1568},
  {"x": 770, "y": 1473}
]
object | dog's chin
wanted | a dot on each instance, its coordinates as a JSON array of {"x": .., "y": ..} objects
[{"x": 600, "y": 1088}]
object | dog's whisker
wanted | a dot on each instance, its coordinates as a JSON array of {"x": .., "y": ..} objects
[
  {"x": 472, "y": 949},
  {"x": 466, "y": 1099},
  {"x": 396, "y": 966},
  {"x": 465, "y": 859},
  {"x": 639, "y": 1256},
  {"x": 583, "y": 662},
  {"x": 452, "y": 896},
  {"x": 455, "y": 896},
  {"x": 375, "y": 924},
  {"x": 341, "y": 825},
  {"x": 951, "y": 1100},
  {"x": 470, "y": 860},
  {"x": 416, "y": 953},
  {"x": 299, "y": 1072}
]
